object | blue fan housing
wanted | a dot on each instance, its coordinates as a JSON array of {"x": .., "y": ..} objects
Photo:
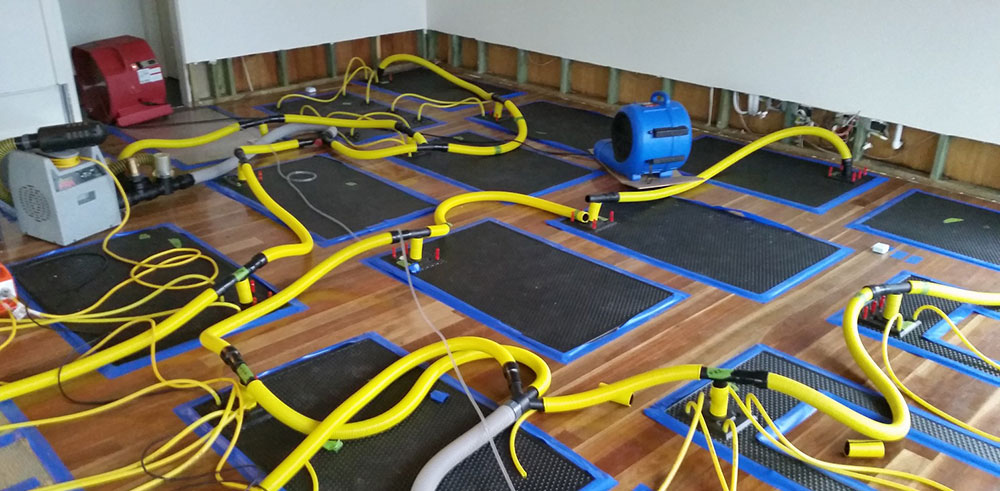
[{"x": 647, "y": 139}]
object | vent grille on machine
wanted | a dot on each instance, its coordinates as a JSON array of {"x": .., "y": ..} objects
[
  {"x": 621, "y": 136},
  {"x": 34, "y": 204}
]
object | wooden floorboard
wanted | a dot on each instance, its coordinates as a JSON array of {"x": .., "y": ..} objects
[{"x": 709, "y": 327}]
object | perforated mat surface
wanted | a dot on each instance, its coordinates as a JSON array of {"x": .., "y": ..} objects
[
  {"x": 337, "y": 190},
  {"x": 71, "y": 279},
  {"x": 786, "y": 177},
  {"x": 349, "y": 103},
  {"x": 554, "y": 123},
  {"x": 926, "y": 430},
  {"x": 521, "y": 171},
  {"x": 555, "y": 301},
  {"x": 953, "y": 228},
  {"x": 391, "y": 460},
  {"x": 756, "y": 259}
]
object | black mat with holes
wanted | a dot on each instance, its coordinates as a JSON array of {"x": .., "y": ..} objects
[
  {"x": 777, "y": 405},
  {"x": 390, "y": 460},
  {"x": 783, "y": 176},
  {"x": 521, "y": 171},
  {"x": 550, "y": 296},
  {"x": 714, "y": 243},
  {"x": 71, "y": 280},
  {"x": 349, "y": 103},
  {"x": 427, "y": 83},
  {"x": 952, "y": 226},
  {"x": 357, "y": 200},
  {"x": 551, "y": 122}
]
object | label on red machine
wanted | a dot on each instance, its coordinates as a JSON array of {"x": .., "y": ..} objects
[{"x": 149, "y": 75}]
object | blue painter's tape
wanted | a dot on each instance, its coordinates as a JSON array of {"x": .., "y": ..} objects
[
  {"x": 859, "y": 224},
  {"x": 459, "y": 184},
  {"x": 438, "y": 396},
  {"x": 858, "y": 190},
  {"x": 25, "y": 485},
  {"x": 642, "y": 487},
  {"x": 841, "y": 253},
  {"x": 898, "y": 254},
  {"x": 39, "y": 446},
  {"x": 328, "y": 241},
  {"x": 116, "y": 370},
  {"x": 914, "y": 259},
  {"x": 601, "y": 480},
  {"x": 511, "y": 332}
]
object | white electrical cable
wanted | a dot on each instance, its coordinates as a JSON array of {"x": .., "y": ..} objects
[
  {"x": 307, "y": 176},
  {"x": 454, "y": 365}
]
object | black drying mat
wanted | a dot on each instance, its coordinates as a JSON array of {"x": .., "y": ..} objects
[
  {"x": 520, "y": 171},
  {"x": 783, "y": 176},
  {"x": 427, "y": 83},
  {"x": 348, "y": 103},
  {"x": 778, "y": 404},
  {"x": 547, "y": 121},
  {"x": 392, "y": 459},
  {"x": 711, "y": 242},
  {"x": 953, "y": 226},
  {"x": 551, "y": 296},
  {"x": 352, "y": 197},
  {"x": 68, "y": 281}
]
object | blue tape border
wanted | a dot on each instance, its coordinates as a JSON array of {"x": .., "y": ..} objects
[
  {"x": 186, "y": 412},
  {"x": 113, "y": 371},
  {"x": 859, "y": 224},
  {"x": 658, "y": 412},
  {"x": 51, "y": 462},
  {"x": 393, "y": 93},
  {"x": 459, "y": 184},
  {"x": 564, "y": 357},
  {"x": 121, "y": 133},
  {"x": 934, "y": 334},
  {"x": 819, "y": 210},
  {"x": 328, "y": 241},
  {"x": 775, "y": 291},
  {"x": 433, "y": 122},
  {"x": 551, "y": 143}
]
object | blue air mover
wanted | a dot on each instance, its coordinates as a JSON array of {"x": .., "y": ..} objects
[{"x": 647, "y": 139}]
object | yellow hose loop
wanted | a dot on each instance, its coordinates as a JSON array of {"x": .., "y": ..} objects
[
  {"x": 463, "y": 102},
  {"x": 137, "y": 146},
  {"x": 348, "y": 76},
  {"x": 654, "y": 194}
]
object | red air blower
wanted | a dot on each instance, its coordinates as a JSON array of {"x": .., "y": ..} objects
[{"x": 119, "y": 81}]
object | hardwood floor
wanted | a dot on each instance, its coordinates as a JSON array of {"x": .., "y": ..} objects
[{"x": 709, "y": 327}]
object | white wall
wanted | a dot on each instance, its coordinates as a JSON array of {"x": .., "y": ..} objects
[
  {"x": 928, "y": 64},
  {"x": 211, "y": 30}
]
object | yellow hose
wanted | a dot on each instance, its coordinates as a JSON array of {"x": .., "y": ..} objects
[
  {"x": 137, "y": 146},
  {"x": 305, "y": 244},
  {"x": 442, "y": 210}
]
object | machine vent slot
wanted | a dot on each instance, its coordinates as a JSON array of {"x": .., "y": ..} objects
[
  {"x": 33, "y": 203},
  {"x": 621, "y": 137}
]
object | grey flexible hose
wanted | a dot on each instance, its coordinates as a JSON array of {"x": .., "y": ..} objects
[
  {"x": 435, "y": 470},
  {"x": 226, "y": 166}
]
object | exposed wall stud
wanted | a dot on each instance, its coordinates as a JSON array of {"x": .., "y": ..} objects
[
  {"x": 613, "y": 83},
  {"x": 282, "y": 57},
  {"x": 432, "y": 45},
  {"x": 522, "y": 66},
  {"x": 725, "y": 103},
  {"x": 455, "y": 53},
  {"x": 216, "y": 78},
  {"x": 331, "y": 60},
  {"x": 791, "y": 113},
  {"x": 668, "y": 87},
  {"x": 481, "y": 61},
  {"x": 230, "y": 77},
  {"x": 422, "y": 43},
  {"x": 940, "y": 157},
  {"x": 565, "y": 71},
  {"x": 376, "y": 49}
]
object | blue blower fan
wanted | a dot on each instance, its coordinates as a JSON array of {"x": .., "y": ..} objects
[{"x": 647, "y": 139}]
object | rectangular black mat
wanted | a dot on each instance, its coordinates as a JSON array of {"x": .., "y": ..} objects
[
  {"x": 71, "y": 279},
  {"x": 349, "y": 103},
  {"x": 739, "y": 253},
  {"x": 427, "y": 83},
  {"x": 556, "y": 124},
  {"x": 953, "y": 228},
  {"x": 392, "y": 459},
  {"x": 361, "y": 201},
  {"x": 773, "y": 467},
  {"x": 789, "y": 179},
  {"x": 557, "y": 302},
  {"x": 521, "y": 171}
]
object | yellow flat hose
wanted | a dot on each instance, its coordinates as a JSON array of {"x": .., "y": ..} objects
[
  {"x": 442, "y": 210},
  {"x": 137, "y": 146}
]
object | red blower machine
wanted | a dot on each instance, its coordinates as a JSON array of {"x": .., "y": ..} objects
[{"x": 119, "y": 81}]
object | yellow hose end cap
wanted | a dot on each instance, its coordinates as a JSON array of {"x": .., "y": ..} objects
[
  {"x": 624, "y": 398},
  {"x": 864, "y": 449}
]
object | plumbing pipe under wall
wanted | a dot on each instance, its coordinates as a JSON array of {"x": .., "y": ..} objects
[{"x": 897, "y": 137}]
